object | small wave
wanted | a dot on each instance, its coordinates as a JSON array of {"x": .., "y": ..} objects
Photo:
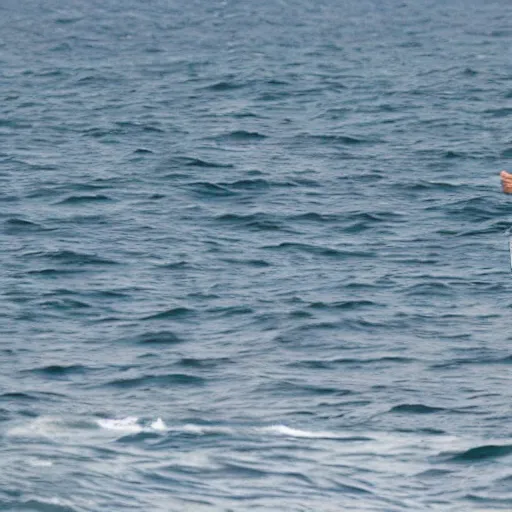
[
  {"x": 423, "y": 186},
  {"x": 101, "y": 133},
  {"x": 197, "y": 162},
  {"x": 65, "y": 20},
  {"x": 17, "y": 396},
  {"x": 316, "y": 217},
  {"x": 477, "y": 209},
  {"x": 175, "y": 265},
  {"x": 53, "y": 505},
  {"x": 415, "y": 409},
  {"x": 229, "y": 311},
  {"x": 296, "y": 388},
  {"x": 65, "y": 304},
  {"x": 158, "y": 425},
  {"x": 92, "y": 79},
  {"x": 302, "y": 334},
  {"x": 303, "y": 182},
  {"x": 278, "y": 430},
  {"x": 499, "y": 226},
  {"x": 92, "y": 186},
  {"x": 111, "y": 294},
  {"x": 193, "y": 362},
  {"x": 377, "y": 217},
  {"x": 311, "y": 364},
  {"x": 93, "y": 198},
  {"x": 242, "y": 135},
  {"x": 51, "y": 272},
  {"x": 485, "y": 452},
  {"x": 40, "y": 463},
  {"x": 319, "y": 250},
  {"x": 499, "y": 112},
  {"x": 470, "y": 72},
  {"x": 174, "y": 379},
  {"x": 283, "y": 430},
  {"x": 429, "y": 289},
  {"x": 343, "y": 140},
  {"x": 63, "y": 47},
  {"x": 160, "y": 337},
  {"x": 245, "y": 114},
  {"x": 250, "y": 184},
  {"x": 42, "y": 426},
  {"x": 273, "y": 96},
  {"x": 203, "y": 429},
  {"x": 332, "y": 363},
  {"x": 237, "y": 218},
  {"x": 17, "y": 225},
  {"x": 134, "y": 425},
  {"x": 275, "y": 81},
  {"x": 257, "y": 221},
  {"x": 178, "y": 312},
  {"x": 60, "y": 428},
  {"x": 345, "y": 305},
  {"x": 243, "y": 470},
  {"x": 69, "y": 257},
  {"x": 207, "y": 189},
  {"x": 223, "y": 86},
  {"x": 15, "y": 123},
  {"x": 453, "y": 154},
  {"x": 250, "y": 263},
  {"x": 58, "y": 370},
  {"x": 128, "y": 425},
  {"x": 434, "y": 473},
  {"x": 141, "y": 127}
]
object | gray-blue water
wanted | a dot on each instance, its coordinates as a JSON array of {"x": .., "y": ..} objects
[{"x": 254, "y": 255}]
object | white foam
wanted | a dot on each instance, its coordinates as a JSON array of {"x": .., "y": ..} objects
[
  {"x": 159, "y": 425},
  {"x": 61, "y": 428},
  {"x": 44, "y": 426},
  {"x": 283, "y": 430},
  {"x": 129, "y": 425},
  {"x": 203, "y": 429},
  {"x": 40, "y": 463},
  {"x": 132, "y": 425}
]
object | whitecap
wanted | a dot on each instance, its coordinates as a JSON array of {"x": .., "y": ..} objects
[
  {"x": 44, "y": 426},
  {"x": 159, "y": 425},
  {"x": 40, "y": 463},
  {"x": 283, "y": 430},
  {"x": 191, "y": 428},
  {"x": 129, "y": 425}
]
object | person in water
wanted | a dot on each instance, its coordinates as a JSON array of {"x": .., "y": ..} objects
[{"x": 506, "y": 182}]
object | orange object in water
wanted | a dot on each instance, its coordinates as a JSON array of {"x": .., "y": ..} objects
[{"x": 506, "y": 182}]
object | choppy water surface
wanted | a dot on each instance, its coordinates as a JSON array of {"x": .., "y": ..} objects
[{"x": 254, "y": 255}]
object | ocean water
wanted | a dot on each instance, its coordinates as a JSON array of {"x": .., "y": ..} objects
[{"x": 254, "y": 255}]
